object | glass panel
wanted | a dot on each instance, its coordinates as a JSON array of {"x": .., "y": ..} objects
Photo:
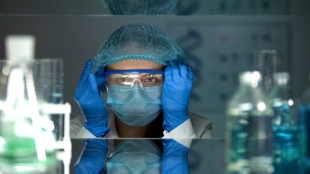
[
  {"x": 154, "y": 7},
  {"x": 204, "y": 156}
]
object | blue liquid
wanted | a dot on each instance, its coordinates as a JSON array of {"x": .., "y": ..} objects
[
  {"x": 282, "y": 116},
  {"x": 238, "y": 140},
  {"x": 304, "y": 124},
  {"x": 250, "y": 145},
  {"x": 286, "y": 149},
  {"x": 288, "y": 143}
]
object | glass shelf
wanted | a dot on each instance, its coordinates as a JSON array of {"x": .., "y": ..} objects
[{"x": 152, "y": 7}]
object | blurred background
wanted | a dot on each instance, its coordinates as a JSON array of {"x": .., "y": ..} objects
[{"x": 219, "y": 48}]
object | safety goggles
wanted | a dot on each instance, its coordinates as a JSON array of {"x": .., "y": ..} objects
[{"x": 128, "y": 78}]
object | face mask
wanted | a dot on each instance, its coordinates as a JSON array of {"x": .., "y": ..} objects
[
  {"x": 135, "y": 106},
  {"x": 135, "y": 157}
]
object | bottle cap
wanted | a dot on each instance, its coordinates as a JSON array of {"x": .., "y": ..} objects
[
  {"x": 20, "y": 48},
  {"x": 249, "y": 76}
]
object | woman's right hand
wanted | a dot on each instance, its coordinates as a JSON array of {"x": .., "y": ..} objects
[{"x": 90, "y": 102}]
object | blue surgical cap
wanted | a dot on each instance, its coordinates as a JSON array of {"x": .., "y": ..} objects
[
  {"x": 140, "y": 42},
  {"x": 140, "y": 7}
]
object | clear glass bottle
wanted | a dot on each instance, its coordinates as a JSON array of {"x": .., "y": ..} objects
[
  {"x": 267, "y": 62},
  {"x": 280, "y": 99},
  {"x": 248, "y": 128},
  {"x": 286, "y": 134},
  {"x": 22, "y": 146}
]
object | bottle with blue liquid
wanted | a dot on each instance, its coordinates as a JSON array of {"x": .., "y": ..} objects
[
  {"x": 304, "y": 124},
  {"x": 287, "y": 151},
  {"x": 248, "y": 128}
]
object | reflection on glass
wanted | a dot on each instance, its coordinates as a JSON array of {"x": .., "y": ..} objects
[
  {"x": 132, "y": 156},
  {"x": 140, "y": 7},
  {"x": 156, "y": 7},
  {"x": 137, "y": 156}
]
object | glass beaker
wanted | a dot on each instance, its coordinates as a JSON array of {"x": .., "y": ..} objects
[{"x": 48, "y": 77}]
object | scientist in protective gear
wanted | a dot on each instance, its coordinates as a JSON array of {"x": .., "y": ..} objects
[{"x": 146, "y": 81}]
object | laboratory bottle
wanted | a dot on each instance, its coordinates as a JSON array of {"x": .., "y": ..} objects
[
  {"x": 267, "y": 62},
  {"x": 286, "y": 134},
  {"x": 248, "y": 128},
  {"x": 304, "y": 125},
  {"x": 22, "y": 142}
]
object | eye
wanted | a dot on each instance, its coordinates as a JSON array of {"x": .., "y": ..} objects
[
  {"x": 123, "y": 79},
  {"x": 150, "y": 79}
]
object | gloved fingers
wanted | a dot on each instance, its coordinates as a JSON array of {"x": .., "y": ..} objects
[
  {"x": 99, "y": 144},
  {"x": 168, "y": 72},
  {"x": 183, "y": 70},
  {"x": 87, "y": 69},
  {"x": 93, "y": 83},
  {"x": 100, "y": 80},
  {"x": 175, "y": 69},
  {"x": 99, "y": 72},
  {"x": 190, "y": 73}
]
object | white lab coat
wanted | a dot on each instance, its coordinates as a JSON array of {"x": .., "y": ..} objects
[{"x": 195, "y": 127}]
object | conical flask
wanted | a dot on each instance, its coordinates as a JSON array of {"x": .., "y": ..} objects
[{"x": 22, "y": 148}]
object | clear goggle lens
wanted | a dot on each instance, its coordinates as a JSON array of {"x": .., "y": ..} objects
[{"x": 142, "y": 78}]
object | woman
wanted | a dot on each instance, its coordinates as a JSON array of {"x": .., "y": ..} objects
[{"x": 148, "y": 81}]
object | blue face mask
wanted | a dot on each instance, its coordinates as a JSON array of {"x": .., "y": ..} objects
[
  {"x": 135, "y": 157},
  {"x": 135, "y": 106}
]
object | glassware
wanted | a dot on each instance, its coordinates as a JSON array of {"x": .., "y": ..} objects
[
  {"x": 304, "y": 124},
  {"x": 248, "y": 128},
  {"x": 281, "y": 101},
  {"x": 286, "y": 134},
  {"x": 267, "y": 63},
  {"x": 25, "y": 146},
  {"x": 48, "y": 77}
]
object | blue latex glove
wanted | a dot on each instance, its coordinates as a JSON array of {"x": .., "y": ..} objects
[
  {"x": 93, "y": 157},
  {"x": 177, "y": 88},
  {"x": 91, "y": 103},
  {"x": 175, "y": 158}
]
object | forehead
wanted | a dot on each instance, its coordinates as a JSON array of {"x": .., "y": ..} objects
[{"x": 135, "y": 64}]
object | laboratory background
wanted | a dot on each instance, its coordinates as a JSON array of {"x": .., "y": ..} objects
[{"x": 221, "y": 39}]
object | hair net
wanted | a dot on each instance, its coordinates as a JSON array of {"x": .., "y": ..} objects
[
  {"x": 138, "y": 41},
  {"x": 140, "y": 7}
]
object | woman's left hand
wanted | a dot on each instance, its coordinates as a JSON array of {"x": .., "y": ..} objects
[{"x": 177, "y": 88}]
